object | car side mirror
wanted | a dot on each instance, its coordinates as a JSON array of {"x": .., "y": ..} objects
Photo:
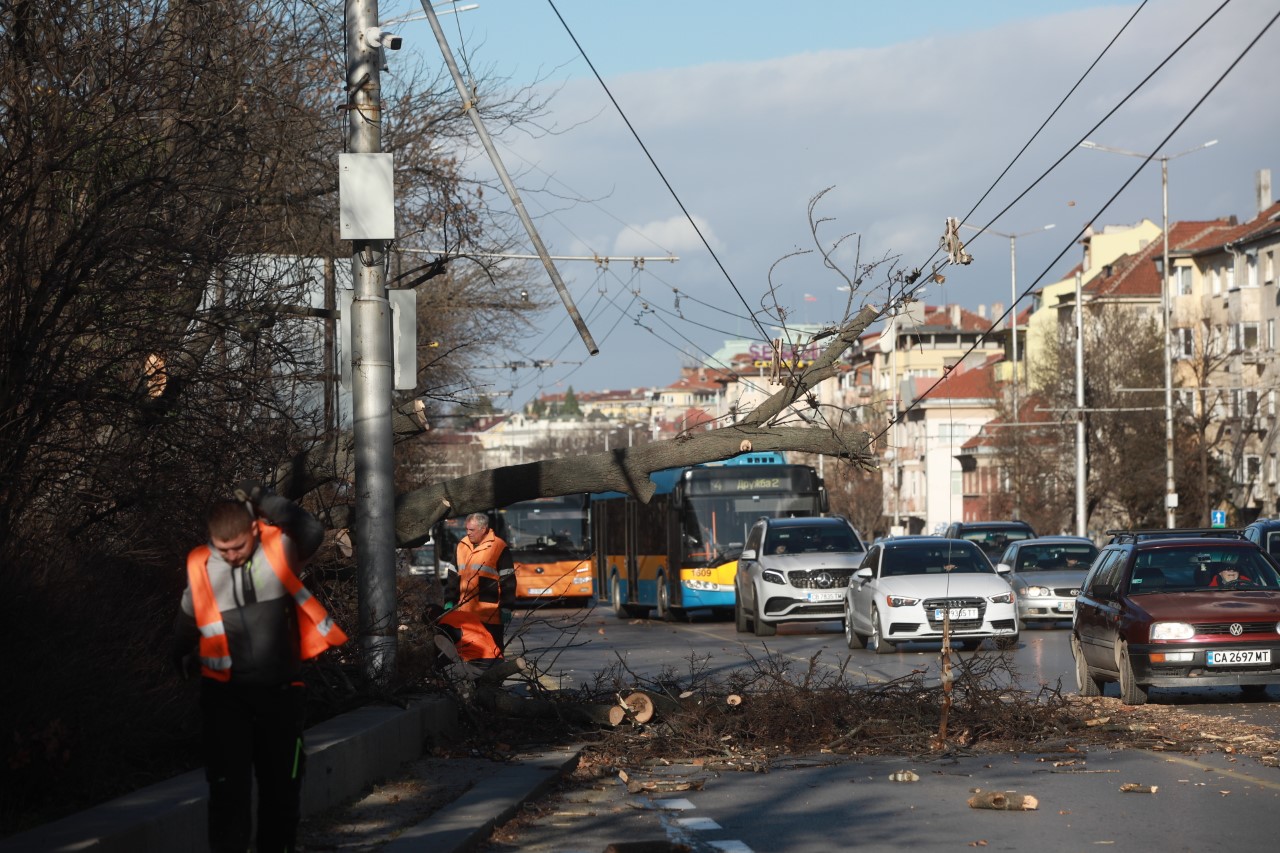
[
  {"x": 863, "y": 574},
  {"x": 1103, "y": 590},
  {"x": 749, "y": 554},
  {"x": 1003, "y": 568}
]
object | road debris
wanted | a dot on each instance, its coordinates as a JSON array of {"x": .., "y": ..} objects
[{"x": 1001, "y": 801}]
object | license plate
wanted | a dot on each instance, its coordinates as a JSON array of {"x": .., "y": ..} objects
[
  {"x": 824, "y": 596},
  {"x": 1067, "y": 606},
  {"x": 581, "y": 581},
  {"x": 1239, "y": 657},
  {"x": 957, "y": 613},
  {"x": 539, "y": 590}
]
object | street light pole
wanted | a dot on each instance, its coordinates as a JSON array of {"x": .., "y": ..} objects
[
  {"x": 1166, "y": 304},
  {"x": 1013, "y": 311}
]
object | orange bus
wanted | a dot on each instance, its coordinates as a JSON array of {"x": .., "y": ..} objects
[{"x": 551, "y": 548}]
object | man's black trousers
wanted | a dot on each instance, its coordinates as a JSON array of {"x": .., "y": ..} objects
[{"x": 252, "y": 731}]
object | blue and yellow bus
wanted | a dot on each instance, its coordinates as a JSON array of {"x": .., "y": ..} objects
[{"x": 680, "y": 551}]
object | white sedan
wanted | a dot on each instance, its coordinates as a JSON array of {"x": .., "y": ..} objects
[{"x": 908, "y": 587}]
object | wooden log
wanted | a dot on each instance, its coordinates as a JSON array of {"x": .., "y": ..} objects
[
  {"x": 1003, "y": 802},
  {"x": 638, "y": 705}
]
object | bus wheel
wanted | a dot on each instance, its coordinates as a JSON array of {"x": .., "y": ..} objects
[
  {"x": 615, "y": 598},
  {"x": 664, "y": 600}
]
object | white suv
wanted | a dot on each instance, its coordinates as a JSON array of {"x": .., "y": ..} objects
[{"x": 794, "y": 570}]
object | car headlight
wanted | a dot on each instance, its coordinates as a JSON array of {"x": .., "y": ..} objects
[
  {"x": 1172, "y": 631},
  {"x": 1002, "y": 598},
  {"x": 902, "y": 601},
  {"x": 772, "y": 576},
  {"x": 1037, "y": 592}
]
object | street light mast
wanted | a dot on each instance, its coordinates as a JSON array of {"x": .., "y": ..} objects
[{"x": 1166, "y": 300}]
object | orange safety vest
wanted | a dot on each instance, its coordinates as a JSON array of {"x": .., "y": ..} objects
[
  {"x": 476, "y": 562},
  {"x": 476, "y": 643},
  {"x": 316, "y": 627}
]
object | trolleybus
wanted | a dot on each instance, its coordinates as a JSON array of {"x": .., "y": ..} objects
[{"x": 680, "y": 551}]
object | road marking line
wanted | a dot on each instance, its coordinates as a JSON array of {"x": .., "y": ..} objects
[
  {"x": 731, "y": 846},
  {"x": 698, "y": 824},
  {"x": 1238, "y": 774},
  {"x": 678, "y": 804}
]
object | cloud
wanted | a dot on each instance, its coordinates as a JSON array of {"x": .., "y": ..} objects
[{"x": 674, "y": 235}]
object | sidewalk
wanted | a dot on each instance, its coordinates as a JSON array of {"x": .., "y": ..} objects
[{"x": 345, "y": 756}]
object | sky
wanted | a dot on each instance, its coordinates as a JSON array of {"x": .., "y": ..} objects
[{"x": 887, "y": 118}]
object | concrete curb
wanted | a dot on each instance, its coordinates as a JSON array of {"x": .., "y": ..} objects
[
  {"x": 469, "y": 820},
  {"x": 344, "y": 756}
]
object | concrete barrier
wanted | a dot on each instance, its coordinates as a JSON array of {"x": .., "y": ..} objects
[{"x": 344, "y": 756}]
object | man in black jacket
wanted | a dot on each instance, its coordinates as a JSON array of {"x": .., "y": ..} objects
[{"x": 247, "y": 623}]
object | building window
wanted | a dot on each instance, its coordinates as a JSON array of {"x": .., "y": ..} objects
[
  {"x": 1271, "y": 334},
  {"x": 1269, "y": 268},
  {"x": 957, "y": 483},
  {"x": 1245, "y": 337},
  {"x": 1250, "y": 469},
  {"x": 1271, "y": 469},
  {"x": 1215, "y": 280},
  {"x": 1182, "y": 279},
  {"x": 1230, "y": 273},
  {"x": 1251, "y": 270},
  {"x": 1184, "y": 343}
]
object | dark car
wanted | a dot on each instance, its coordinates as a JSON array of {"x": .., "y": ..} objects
[
  {"x": 1265, "y": 533},
  {"x": 991, "y": 536},
  {"x": 1177, "y": 612}
]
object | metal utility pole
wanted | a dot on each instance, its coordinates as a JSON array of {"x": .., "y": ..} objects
[
  {"x": 1166, "y": 301},
  {"x": 1082, "y": 479},
  {"x": 371, "y": 368},
  {"x": 1013, "y": 319},
  {"x": 469, "y": 107}
]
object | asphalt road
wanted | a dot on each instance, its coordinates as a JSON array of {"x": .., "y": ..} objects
[{"x": 821, "y": 803}]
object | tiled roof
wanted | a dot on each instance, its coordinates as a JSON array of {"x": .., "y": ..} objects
[
  {"x": 1264, "y": 224},
  {"x": 974, "y": 383},
  {"x": 1135, "y": 275}
]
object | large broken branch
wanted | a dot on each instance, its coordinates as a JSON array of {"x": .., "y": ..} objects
[{"x": 626, "y": 469}]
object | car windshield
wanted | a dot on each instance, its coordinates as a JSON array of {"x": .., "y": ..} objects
[
  {"x": 809, "y": 540},
  {"x": 1047, "y": 558},
  {"x": 1197, "y": 567},
  {"x": 932, "y": 559},
  {"x": 993, "y": 541}
]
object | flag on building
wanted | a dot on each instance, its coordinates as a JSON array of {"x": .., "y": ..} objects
[{"x": 809, "y": 297}]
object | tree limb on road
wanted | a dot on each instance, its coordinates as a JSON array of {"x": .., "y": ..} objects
[{"x": 627, "y": 470}]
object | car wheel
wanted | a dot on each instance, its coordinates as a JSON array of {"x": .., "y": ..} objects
[
  {"x": 883, "y": 646},
  {"x": 763, "y": 628},
  {"x": 740, "y": 617},
  {"x": 1131, "y": 693},
  {"x": 615, "y": 598},
  {"x": 1005, "y": 643},
  {"x": 1086, "y": 684},
  {"x": 852, "y": 638}
]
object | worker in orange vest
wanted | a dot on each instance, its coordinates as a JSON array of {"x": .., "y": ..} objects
[
  {"x": 246, "y": 623},
  {"x": 483, "y": 581}
]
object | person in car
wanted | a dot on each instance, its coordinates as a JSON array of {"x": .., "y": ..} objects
[{"x": 1229, "y": 577}]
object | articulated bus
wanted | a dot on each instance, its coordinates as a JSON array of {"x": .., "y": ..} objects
[
  {"x": 680, "y": 551},
  {"x": 549, "y": 543}
]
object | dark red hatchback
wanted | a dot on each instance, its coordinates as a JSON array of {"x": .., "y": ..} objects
[{"x": 1177, "y": 612}]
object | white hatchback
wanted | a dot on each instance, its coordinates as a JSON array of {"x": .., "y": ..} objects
[{"x": 909, "y": 589}]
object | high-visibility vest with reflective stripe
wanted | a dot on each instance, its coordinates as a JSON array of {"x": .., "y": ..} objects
[
  {"x": 476, "y": 643},
  {"x": 316, "y": 628},
  {"x": 476, "y": 562}
]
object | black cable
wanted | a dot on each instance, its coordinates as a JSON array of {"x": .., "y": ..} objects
[
  {"x": 689, "y": 217},
  {"x": 1187, "y": 117}
]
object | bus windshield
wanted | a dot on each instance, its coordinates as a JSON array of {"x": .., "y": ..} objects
[
  {"x": 715, "y": 528},
  {"x": 548, "y": 526}
]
